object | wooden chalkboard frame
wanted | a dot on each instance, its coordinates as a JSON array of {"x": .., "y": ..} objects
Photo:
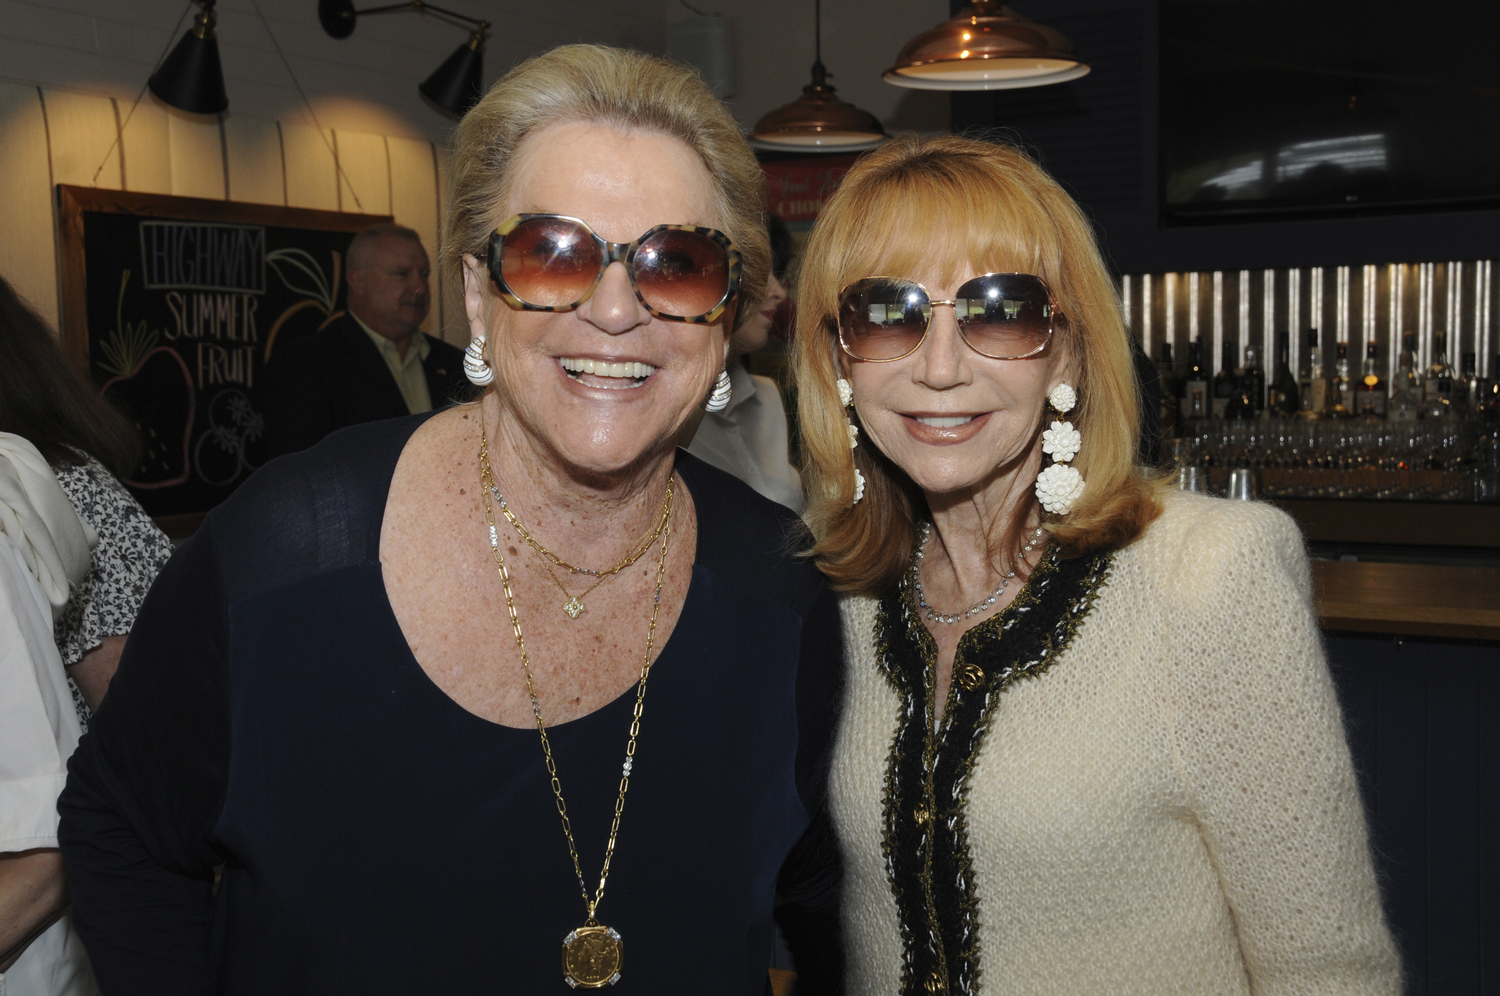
[{"x": 73, "y": 202}]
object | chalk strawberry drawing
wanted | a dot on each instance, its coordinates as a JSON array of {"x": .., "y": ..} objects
[{"x": 150, "y": 379}]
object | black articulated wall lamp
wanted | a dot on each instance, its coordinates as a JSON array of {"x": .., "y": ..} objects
[
  {"x": 458, "y": 83},
  {"x": 192, "y": 78}
]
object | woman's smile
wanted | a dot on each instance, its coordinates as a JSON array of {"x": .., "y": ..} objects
[
  {"x": 609, "y": 374},
  {"x": 941, "y": 429}
]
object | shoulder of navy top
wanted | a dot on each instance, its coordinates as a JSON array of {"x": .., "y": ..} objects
[{"x": 320, "y": 510}]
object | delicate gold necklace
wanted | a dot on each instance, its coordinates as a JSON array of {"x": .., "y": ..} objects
[
  {"x": 574, "y": 605},
  {"x": 592, "y": 954}
]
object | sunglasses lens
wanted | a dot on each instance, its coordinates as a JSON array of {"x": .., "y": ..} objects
[
  {"x": 549, "y": 262},
  {"x": 682, "y": 274},
  {"x": 881, "y": 319},
  {"x": 1005, "y": 315}
]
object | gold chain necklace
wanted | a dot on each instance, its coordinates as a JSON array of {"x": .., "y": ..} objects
[
  {"x": 592, "y": 954},
  {"x": 574, "y": 605}
]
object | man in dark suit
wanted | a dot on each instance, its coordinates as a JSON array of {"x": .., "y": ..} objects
[{"x": 373, "y": 361}]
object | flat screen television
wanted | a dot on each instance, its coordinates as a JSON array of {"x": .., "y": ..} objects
[{"x": 1327, "y": 107}]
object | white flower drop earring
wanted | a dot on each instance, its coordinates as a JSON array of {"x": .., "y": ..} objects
[
  {"x": 846, "y": 399},
  {"x": 1059, "y": 486}
]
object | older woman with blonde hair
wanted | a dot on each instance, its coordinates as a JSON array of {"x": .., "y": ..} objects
[
  {"x": 512, "y": 697},
  {"x": 1090, "y": 743}
]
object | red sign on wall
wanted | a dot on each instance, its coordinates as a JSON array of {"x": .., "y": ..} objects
[{"x": 799, "y": 187}]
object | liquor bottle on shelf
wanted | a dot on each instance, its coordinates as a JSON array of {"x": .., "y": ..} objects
[
  {"x": 1369, "y": 395},
  {"x": 1285, "y": 396},
  {"x": 1252, "y": 369},
  {"x": 1225, "y": 384},
  {"x": 1439, "y": 384},
  {"x": 1312, "y": 385},
  {"x": 1196, "y": 402},
  {"x": 1343, "y": 384},
  {"x": 1405, "y": 403},
  {"x": 1439, "y": 379},
  {"x": 1167, "y": 379},
  {"x": 1241, "y": 404},
  {"x": 1465, "y": 393}
]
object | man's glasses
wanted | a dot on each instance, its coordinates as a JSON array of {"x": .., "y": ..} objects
[
  {"x": 1005, "y": 316},
  {"x": 550, "y": 262}
]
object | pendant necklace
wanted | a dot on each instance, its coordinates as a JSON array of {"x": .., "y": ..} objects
[
  {"x": 592, "y": 955},
  {"x": 574, "y": 606}
]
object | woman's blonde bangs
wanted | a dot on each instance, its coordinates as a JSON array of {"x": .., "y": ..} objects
[{"x": 926, "y": 228}]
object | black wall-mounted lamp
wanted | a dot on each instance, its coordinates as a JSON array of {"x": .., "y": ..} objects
[
  {"x": 192, "y": 78},
  {"x": 458, "y": 83}
]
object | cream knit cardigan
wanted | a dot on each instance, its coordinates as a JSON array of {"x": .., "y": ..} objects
[{"x": 1170, "y": 809}]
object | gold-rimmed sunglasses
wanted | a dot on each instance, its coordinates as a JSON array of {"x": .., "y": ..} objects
[
  {"x": 552, "y": 262},
  {"x": 1004, "y": 316}
]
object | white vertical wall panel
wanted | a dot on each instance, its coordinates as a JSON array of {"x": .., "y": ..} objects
[
  {"x": 365, "y": 183},
  {"x": 81, "y": 137},
  {"x": 147, "y": 148},
  {"x": 311, "y": 178},
  {"x": 27, "y": 252},
  {"x": 414, "y": 203},
  {"x": 254, "y": 153},
  {"x": 197, "y": 151}
]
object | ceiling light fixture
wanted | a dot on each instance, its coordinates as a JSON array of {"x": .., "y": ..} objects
[
  {"x": 986, "y": 47},
  {"x": 192, "y": 78},
  {"x": 818, "y": 121},
  {"x": 458, "y": 83}
]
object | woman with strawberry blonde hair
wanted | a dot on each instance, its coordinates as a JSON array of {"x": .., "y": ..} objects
[{"x": 1168, "y": 805}]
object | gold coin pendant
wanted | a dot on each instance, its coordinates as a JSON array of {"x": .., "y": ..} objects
[{"x": 591, "y": 956}]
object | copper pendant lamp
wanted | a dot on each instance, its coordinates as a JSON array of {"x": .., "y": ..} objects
[
  {"x": 818, "y": 121},
  {"x": 986, "y": 47}
]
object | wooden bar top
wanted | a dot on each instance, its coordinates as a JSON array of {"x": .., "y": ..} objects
[{"x": 1408, "y": 599}]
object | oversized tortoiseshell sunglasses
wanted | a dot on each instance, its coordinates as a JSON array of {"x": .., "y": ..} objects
[{"x": 551, "y": 262}]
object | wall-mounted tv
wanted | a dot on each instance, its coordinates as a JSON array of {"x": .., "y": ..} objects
[{"x": 1327, "y": 107}]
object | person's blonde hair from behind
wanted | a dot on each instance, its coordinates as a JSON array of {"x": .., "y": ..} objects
[
  {"x": 967, "y": 207},
  {"x": 620, "y": 89}
]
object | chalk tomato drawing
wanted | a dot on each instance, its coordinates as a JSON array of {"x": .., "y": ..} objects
[
  {"x": 233, "y": 422},
  {"x": 148, "y": 378},
  {"x": 320, "y": 293}
]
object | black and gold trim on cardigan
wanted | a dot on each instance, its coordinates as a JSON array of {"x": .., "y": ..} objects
[{"x": 925, "y": 838}]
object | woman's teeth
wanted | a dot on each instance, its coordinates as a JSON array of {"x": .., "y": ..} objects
[
  {"x": 945, "y": 421},
  {"x": 631, "y": 373}
]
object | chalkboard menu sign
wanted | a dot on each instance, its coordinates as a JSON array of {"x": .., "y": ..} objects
[{"x": 174, "y": 305}]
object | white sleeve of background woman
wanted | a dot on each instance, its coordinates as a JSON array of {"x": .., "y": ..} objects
[
  {"x": 38, "y": 727},
  {"x": 1261, "y": 750}
]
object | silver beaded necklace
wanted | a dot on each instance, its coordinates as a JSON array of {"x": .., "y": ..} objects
[{"x": 984, "y": 604}]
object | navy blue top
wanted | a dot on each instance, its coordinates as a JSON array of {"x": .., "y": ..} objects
[{"x": 378, "y": 838}]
